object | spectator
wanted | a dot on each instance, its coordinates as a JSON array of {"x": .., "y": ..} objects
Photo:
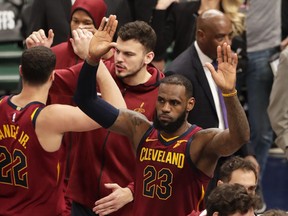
[
  {"x": 175, "y": 22},
  {"x": 85, "y": 15},
  {"x": 263, "y": 35},
  {"x": 231, "y": 199},
  {"x": 213, "y": 29},
  {"x": 275, "y": 212},
  {"x": 236, "y": 170},
  {"x": 278, "y": 105}
]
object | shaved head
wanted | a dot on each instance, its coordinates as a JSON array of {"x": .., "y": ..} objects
[{"x": 213, "y": 29}]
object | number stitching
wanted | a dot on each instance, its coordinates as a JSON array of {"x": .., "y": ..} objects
[
  {"x": 157, "y": 183},
  {"x": 18, "y": 163}
]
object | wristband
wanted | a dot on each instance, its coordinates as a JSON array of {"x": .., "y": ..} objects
[{"x": 230, "y": 94}]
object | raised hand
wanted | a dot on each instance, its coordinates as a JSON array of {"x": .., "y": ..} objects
[
  {"x": 225, "y": 77},
  {"x": 38, "y": 38},
  {"x": 80, "y": 42},
  {"x": 101, "y": 41}
]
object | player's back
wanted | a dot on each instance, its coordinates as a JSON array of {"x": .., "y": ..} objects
[{"x": 29, "y": 176}]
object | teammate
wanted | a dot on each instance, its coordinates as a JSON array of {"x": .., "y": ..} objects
[
  {"x": 175, "y": 160},
  {"x": 30, "y": 137},
  {"x": 100, "y": 176}
]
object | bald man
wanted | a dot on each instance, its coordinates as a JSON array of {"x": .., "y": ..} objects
[{"x": 213, "y": 29}]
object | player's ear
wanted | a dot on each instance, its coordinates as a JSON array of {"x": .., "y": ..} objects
[
  {"x": 149, "y": 57},
  {"x": 52, "y": 76},
  {"x": 20, "y": 70},
  {"x": 190, "y": 104}
]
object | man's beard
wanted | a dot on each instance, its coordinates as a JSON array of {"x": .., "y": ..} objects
[
  {"x": 170, "y": 127},
  {"x": 130, "y": 73}
]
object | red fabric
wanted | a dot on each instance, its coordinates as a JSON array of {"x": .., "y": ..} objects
[
  {"x": 29, "y": 181},
  {"x": 65, "y": 56},
  {"x": 96, "y": 9},
  {"x": 100, "y": 156},
  {"x": 167, "y": 183}
]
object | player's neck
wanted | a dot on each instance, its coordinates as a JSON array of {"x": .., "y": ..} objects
[
  {"x": 184, "y": 127},
  {"x": 142, "y": 76},
  {"x": 30, "y": 94}
]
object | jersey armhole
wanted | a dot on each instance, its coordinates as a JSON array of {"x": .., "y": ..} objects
[{"x": 35, "y": 114}]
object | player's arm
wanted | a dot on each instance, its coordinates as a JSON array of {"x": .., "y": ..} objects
[
  {"x": 123, "y": 121},
  {"x": 126, "y": 122},
  {"x": 230, "y": 140},
  {"x": 54, "y": 120},
  {"x": 215, "y": 142}
]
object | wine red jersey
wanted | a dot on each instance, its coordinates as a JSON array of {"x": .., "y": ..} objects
[
  {"x": 167, "y": 182},
  {"x": 29, "y": 176}
]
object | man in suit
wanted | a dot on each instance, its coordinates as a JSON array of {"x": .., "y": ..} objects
[{"x": 213, "y": 29}]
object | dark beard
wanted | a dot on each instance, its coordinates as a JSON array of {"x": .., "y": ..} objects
[
  {"x": 130, "y": 75},
  {"x": 169, "y": 127}
]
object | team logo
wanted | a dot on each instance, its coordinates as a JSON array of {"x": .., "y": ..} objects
[{"x": 140, "y": 109}]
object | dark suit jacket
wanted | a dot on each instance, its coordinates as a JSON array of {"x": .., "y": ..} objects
[
  {"x": 188, "y": 64},
  {"x": 204, "y": 112},
  {"x": 177, "y": 24}
]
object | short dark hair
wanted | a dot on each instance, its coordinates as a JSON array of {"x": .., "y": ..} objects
[
  {"x": 37, "y": 64},
  {"x": 177, "y": 79},
  {"x": 230, "y": 198},
  {"x": 140, "y": 31},
  {"x": 235, "y": 163}
]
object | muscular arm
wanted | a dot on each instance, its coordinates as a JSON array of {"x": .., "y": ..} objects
[
  {"x": 278, "y": 107},
  {"x": 54, "y": 120},
  {"x": 214, "y": 143},
  {"x": 126, "y": 122},
  {"x": 217, "y": 143},
  {"x": 129, "y": 123}
]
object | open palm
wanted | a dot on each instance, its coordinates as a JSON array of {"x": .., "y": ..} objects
[
  {"x": 225, "y": 77},
  {"x": 101, "y": 41}
]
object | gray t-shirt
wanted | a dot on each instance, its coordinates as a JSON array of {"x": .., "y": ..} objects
[{"x": 263, "y": 24}]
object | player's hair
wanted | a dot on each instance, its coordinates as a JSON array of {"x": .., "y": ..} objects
[
  {"x": 139, "y": 31},
  {"x": 37, "y": 65},
  {"x": 177, "y": 79}
]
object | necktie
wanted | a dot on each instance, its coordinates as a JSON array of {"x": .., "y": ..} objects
[{"x": 221, "y": 99}]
